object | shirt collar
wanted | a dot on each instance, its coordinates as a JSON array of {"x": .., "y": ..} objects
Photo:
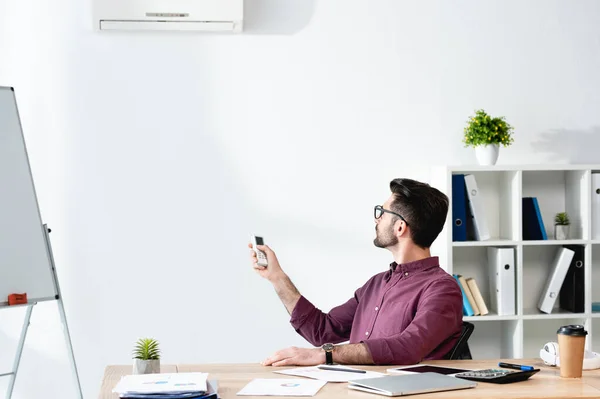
[{"x": 417, "y": 265}]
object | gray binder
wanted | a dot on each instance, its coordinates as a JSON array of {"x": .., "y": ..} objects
[{"x": 409, "y": 384}]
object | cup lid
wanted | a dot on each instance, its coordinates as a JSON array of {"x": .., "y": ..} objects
[{"x": 572, "y": 329}]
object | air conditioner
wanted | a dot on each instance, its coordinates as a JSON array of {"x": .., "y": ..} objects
[{"x": 186, "y": 15}]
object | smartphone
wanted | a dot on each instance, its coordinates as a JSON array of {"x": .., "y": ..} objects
[{"x": 262, "y": 257}]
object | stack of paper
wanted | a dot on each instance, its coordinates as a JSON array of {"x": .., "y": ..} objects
[{"x": 166, "y": 386}]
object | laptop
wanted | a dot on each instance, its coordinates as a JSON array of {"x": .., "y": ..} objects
[{"x": 409, "y": 384}]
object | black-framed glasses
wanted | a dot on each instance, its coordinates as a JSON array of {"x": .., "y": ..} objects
[{"x": 379, "y": 210}]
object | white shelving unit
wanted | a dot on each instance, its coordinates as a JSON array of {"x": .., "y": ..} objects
[{"x": 558, "y": 188}]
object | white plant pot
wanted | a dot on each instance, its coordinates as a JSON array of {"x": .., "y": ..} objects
[
  {"x": 561, "y": 232},
  {"x": 146, "y": 366},
  {"x": 487, "y": 154}
]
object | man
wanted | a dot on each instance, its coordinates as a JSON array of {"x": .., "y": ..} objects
[{"x": 409, "y": 313}]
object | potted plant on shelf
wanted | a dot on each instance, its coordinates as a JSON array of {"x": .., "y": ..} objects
[
  {"x": 561, "y": 226},
  {"x": 486, "y": 134},
  {"x": 146, "y": 356}
]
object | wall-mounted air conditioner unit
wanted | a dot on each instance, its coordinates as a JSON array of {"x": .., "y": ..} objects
[{"x": 190, "y": 15}]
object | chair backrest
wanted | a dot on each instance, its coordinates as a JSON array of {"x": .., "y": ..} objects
[{"x": 461, "y": 348}]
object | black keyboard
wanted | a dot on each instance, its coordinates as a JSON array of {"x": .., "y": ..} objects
[{"x": 497, "y": 376}]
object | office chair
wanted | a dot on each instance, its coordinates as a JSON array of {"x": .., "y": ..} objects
[{"x": 461, "y": 348}]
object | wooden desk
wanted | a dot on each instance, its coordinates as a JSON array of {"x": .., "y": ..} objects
[{"x": 545, "y": 384}]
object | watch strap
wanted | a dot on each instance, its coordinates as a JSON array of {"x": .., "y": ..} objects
[{"x": 328, "y": 357}]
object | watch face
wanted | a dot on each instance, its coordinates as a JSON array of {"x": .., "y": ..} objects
[{"x": 328, "y": 347}]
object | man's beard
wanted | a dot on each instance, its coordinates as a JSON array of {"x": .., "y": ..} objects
[{"x": 384, "y": 240}]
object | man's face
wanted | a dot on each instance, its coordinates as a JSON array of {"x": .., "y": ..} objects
[{"x": 384, "y": 228}]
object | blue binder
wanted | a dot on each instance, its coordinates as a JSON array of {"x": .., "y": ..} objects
[
  {"x": 533, "y": 225},
  {"x": 459, "y": 208},
  {"x": 467, "y": 309}
]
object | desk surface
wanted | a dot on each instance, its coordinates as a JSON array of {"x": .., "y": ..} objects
[{"x": 233, "y": 377}]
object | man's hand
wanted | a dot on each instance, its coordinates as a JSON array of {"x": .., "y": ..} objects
[
  {"x": 273, "y": 271},
  {"x": 296, "y": 357}
]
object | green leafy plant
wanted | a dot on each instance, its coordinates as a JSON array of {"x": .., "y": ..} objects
[
  {"x": 146, "y": 349},
  {"x": 562, "y": 219},
  {"x": 482, "y": 129}
]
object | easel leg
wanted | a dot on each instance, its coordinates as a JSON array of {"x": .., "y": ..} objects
[
  {"x": 13, "y": 376},
  {"x": 63, "y": 317}
]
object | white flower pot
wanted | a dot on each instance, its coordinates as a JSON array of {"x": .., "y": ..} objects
[
  {"x": 146, "y": 366},
  {"x": 487, "y": 154},
  {"x": 561, "y": 232}
]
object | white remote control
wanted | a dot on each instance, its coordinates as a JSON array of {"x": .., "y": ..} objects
[{"x": 262, "y": 257}]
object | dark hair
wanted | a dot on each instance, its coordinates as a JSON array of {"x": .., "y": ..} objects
[{"x": 424, "y": 207}]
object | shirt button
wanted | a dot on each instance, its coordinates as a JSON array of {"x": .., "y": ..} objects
[
  {"x": 376, "y": 308},
  {"x": 406, "y": 274},
  {"x": 367, "y": 333}
]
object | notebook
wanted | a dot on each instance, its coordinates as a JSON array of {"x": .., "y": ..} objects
[{"x": 409, "y": 384}]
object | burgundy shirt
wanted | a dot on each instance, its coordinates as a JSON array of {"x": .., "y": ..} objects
[{"x": 410, "y": 313}]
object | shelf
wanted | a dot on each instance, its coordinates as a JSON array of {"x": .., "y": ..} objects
[
  {"x": 555, "y": 242},
  {"x": 503, "y": 243},
  {"x": 536, "y": 333},
  {"x": 595, "y": 274},
  {"x": 487, "y": 243},
  {"x": 501, "y": 188},
  {"x": 560, "y": 191},
  {"x": 491, "y": 317},
  {"x": 507, "y": 342},
  {"x": 499, "y": 194},
  {"x": 557, "y": 313},
  {"x": 595, "y": 341}
]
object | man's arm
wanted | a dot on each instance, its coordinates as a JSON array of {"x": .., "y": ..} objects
[
  {"x": 287, "y": 292},
  {"x": 439, "y": 311},
  {"x": 311, "y": 323},
  {"x": 342, "y": 354}
]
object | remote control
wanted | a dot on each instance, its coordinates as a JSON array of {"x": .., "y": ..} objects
[{"x": 262, "y": 257}]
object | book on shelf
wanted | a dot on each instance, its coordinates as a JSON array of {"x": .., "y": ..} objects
[{"x": 473, "y": 303}]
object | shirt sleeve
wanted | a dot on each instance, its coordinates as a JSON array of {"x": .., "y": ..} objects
[
  {"x": 438, "y": 317},
  {"x": 318, "y": 327}
]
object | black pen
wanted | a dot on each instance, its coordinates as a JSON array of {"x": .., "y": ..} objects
[
  {"x": 336, "y": 369},
  {"x": 515, "y": 366}
]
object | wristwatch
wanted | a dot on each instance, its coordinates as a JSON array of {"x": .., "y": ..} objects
[{"x": 328, "y": 348}]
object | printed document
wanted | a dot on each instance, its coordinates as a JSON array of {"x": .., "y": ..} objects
[
  {"x": 281, "y": 387},
  {"x": 328, "y": 375}
]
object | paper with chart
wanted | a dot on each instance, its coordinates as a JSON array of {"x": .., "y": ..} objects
[
  {"x": 281, "y": 387},
  {"x": 328, "y": 375}
]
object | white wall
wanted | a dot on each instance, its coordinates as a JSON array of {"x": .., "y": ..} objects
[{"x": 157, "y": 154}]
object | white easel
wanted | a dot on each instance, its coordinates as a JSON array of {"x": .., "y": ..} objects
[{"x": 61, "y": 309}]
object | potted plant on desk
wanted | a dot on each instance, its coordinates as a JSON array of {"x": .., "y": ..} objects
[
  {"x": 146, "y": 356},
  {"x": 561, "y": 226}
]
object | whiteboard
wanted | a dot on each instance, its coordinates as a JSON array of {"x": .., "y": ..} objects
[{"x": 25, "y": 261}]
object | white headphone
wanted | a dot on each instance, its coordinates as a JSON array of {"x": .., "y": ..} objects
[{"x": 549, "y": 354}]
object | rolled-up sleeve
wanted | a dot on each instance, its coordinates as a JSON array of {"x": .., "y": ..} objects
[
  {"x": 318, "y": 327},
  {"x": 438, "y": 318}
]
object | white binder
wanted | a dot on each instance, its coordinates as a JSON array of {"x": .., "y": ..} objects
[
  {"x": 477, "y": 209},
  {"x": 555, "y": 279},
  {"x": 501, "y": 263},
  {"x": 595, "y": 206}
]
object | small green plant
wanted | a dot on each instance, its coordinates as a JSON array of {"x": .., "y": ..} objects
[
  {"x": 482, "y": 129},
  {"x": 562, "y": 219},
  {"x": 146, "y": 349}
]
